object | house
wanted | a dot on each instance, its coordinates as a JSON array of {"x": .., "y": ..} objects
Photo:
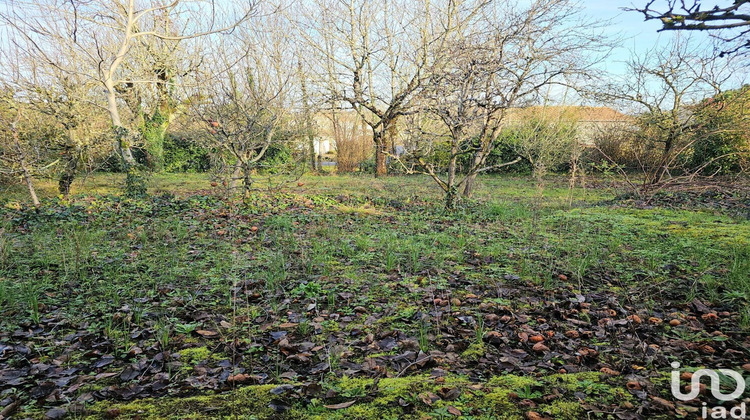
[{"x": 590, "y": 120}]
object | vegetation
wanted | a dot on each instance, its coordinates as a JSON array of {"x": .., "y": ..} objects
[
  {"x": 196, "y": 293},
  {"x": 179, "y": 240}
]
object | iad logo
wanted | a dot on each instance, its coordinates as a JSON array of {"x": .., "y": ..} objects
[{"x": 738, "y": 412}]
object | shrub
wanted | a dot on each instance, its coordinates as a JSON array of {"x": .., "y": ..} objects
[
  {"x": 722, "y": 140},
  {"x": 184, "y": 153}
]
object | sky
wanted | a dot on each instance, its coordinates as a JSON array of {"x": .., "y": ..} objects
[{"x": 638, "y": 35}]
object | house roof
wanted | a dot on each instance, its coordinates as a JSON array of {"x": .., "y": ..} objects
[{"x": 576, "y": 113}]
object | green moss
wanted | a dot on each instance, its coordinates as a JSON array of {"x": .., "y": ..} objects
[
  {"x": 573, "y": 381},
  {"x": 249, "y": 401},
  {"x": 498, "y": 401},
  {"x": 512, "y": 382},
  {"x": 563, "y": 409},
  {"x": 195, "y": 355},
  {"x": 474, "y": 352},
  {"x": 493, "y": 400}
]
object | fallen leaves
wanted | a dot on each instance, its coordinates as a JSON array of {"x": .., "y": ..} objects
[
  {"x": 207, "y": 333},
  {"x": 609, "y": 372},
  {"x": 540, "y": 348},
  {"x": 340, "y": 406}
]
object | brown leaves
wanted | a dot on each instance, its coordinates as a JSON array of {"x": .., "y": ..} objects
[
  {"x": 635, "y": 319},
  {"x": 655, "y": 321},
  {"x": 609, "y": 372},
  {"x": 710, "y": 317},
  {"x": 341, "y": 406},
  {"x": 207, "y": 334},
  {"x": 664, "y": 403},
  {"x": 540, "y": 348},
  {"x": 634, "y": 385},
  {"x": 428, "y": 398}
]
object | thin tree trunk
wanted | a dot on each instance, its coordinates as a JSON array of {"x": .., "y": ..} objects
[
  {"x": 471, "y": 178},
  {"x": 25, "y": 171},
  {"x": 30, "y": 185},
  {"x": 663, "y": 161},
  {"x": 381, "y": 168},
  {"x": 307, "y": 117},
  {"x": 121, "y": 133},
  {"x": 70, "y": 169}
]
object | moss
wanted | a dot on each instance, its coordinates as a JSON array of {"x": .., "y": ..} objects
[
  {"x": 474, "y": 352},
  {"x": 512, "y": 382},
  {"x": 243, "y": 402},
  {"x": 195, "y": 355},
  {"x": 494, "y": 400},
  {"x": 561, "y": 409},
  {"x": 573, "y": 381},
  {"x": 498, "y": 401}
]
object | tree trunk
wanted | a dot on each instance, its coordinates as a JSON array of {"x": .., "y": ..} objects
[
  {"x": 381, "y": 153},
  {"x": 30, "y": 185},
  {"x": 70, "y": 155},
  {"x": 313, "y": 158},
  {"x": 154, "y": 131},
  {"x": 24, "y": 168},
  {"x": 27, "y": 175},
  {"x": 69, "y": 172},
  {"x": 663, "y": 162},
  {"x": 135, "y": 181},
  {"x": 122, "y": 144},
  {"x": 235, "y": 177},
  {"x": 247, "y": 182},
  {"x": 307, "y": 116},
  {"x": 451, "y": 198},
  {"x": 471, "y": 178}
]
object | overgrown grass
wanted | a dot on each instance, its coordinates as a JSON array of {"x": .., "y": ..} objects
[{"x": 353, "y": 246}]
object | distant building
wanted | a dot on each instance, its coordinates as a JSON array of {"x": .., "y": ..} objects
[
  {"x": 322, "y": 145},
  {"x": 589, "y": 120}
]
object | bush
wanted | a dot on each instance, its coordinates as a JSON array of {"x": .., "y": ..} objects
[
  {"x": 185, "y": 154},
  {"x": 722, "y": 141},
  {"x": 276, "y": 157}
]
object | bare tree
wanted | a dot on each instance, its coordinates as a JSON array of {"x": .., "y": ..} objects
[
  {"x": 731, "y": 22},
  {"x": 508, "y": 54},
  {"x": 374, "y": 56},
  {"x": 104, "y": 34},
  {"x": 245, "y": 97},
  {"x": 15, "y": 152},
  {"x": 67, "y": 100},
  {"x": 662, "y": 86}
]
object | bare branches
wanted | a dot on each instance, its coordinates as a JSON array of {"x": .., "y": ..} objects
[{"x": 731, "y": 23}]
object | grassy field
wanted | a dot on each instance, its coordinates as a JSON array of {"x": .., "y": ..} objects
[{"x": 355, "y": 297}]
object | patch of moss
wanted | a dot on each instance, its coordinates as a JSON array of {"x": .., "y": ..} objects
[
  {"x": 250, "y": 401},
  {"x": 512, "y": 382},
  {"x": 474, "y": 352},
  {"x": 195, "y": 355},
  {"x": 573, "y": 381},
  {"x": 561, "y": 409},
  {"x": 493, "y": 400}
]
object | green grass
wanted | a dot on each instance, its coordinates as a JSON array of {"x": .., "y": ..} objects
[{"x": 112, "y": 266}]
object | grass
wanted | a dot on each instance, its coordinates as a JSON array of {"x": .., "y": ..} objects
[{"x": 316, "y": 256}]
